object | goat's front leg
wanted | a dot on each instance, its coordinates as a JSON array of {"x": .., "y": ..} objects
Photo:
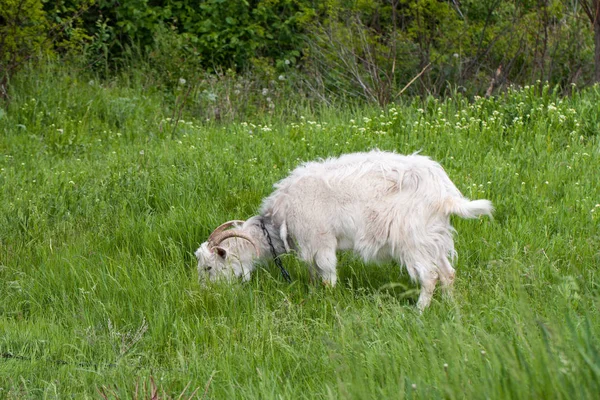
[{"x": 326, "y": 262}]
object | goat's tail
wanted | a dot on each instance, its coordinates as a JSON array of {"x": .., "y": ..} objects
[{"x": 466, "y": 208}]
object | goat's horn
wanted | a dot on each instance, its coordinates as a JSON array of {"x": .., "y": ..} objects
[
  {"x": 221, "y": 228},
  {"x": 235, "y": 233}
]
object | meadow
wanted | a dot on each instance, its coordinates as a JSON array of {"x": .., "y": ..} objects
[{"x": 106, "y": 192}]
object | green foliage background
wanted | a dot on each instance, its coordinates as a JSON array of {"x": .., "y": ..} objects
[
  {"x": 367, "y": 49},
  {"x": 23, "y": 29},
  {"x": 223, "y": 33}
]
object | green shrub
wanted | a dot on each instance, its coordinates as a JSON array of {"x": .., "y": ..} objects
[
  {"x": 23, "y": 35},
  {"x": 228, "y": 34}
]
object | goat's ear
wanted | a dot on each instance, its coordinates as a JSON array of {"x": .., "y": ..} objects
[{"x": 221, "y": 252}]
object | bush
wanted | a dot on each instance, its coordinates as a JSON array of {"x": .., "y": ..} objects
[
  {"x": 23, "y": 35},
  {"x": 227, "y": 34}
]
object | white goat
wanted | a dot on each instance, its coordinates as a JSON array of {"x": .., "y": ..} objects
[{"x": 381, "y": 205}]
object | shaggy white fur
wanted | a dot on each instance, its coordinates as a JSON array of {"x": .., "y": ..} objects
[{"x": 381, "y": 205}]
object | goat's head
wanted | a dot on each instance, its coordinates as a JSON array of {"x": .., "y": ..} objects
[{"x": 219, "y": 258}]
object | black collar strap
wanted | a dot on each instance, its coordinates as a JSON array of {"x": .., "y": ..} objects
[{"x": 276, "y": 258}]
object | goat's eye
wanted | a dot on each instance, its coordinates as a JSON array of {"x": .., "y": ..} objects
[{"x": 208, "y": 268}]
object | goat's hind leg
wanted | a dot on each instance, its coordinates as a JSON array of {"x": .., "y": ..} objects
[
  {"x": 427, "y": 275},
  {"x": 447, "y": 274}
]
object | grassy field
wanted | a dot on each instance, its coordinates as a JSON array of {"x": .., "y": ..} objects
[{"x": 103, "y": 201}]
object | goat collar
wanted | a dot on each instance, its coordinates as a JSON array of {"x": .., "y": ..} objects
[{"x": 276, "y": 258}]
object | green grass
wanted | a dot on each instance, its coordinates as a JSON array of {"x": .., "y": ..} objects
[{"x": 102, "y": 205}]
